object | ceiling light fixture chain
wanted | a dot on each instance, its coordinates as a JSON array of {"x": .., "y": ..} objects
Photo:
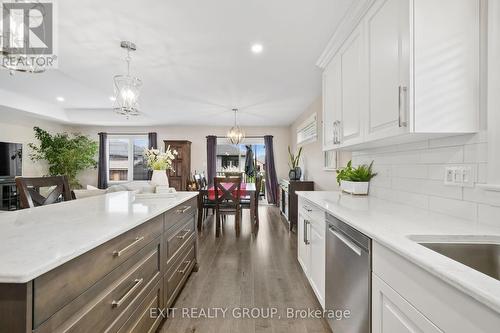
[{"x": 127, "y": 87}]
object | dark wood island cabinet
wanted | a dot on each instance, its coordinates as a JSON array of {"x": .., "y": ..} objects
[{"x": 112, "y": 287}]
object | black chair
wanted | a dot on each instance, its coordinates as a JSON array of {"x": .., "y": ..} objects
[{"x": 29, "y": 191}]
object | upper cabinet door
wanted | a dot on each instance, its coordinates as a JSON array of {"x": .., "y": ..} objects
[
  {"x": 387, "y": 45},
  {"x": 352, "y": 89},
  {"x": 332, "y": 104},
  {"x": 447, "y": 65}
]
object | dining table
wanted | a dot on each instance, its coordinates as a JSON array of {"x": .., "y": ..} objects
[{"x": 247, "y": 190}]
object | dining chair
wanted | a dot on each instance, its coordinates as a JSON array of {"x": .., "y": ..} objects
[
  {"x": 198, "y": 181},
  {"x": 29, "y": 191},
  {"x": 227, "y": 201},
  {"x": 246, "y": 201}
]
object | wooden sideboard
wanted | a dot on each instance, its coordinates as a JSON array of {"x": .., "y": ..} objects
[
  {"x": 181, "y": 166},
  {"x": 288, "y": 199},
  {"x": 112, "y": 287}
]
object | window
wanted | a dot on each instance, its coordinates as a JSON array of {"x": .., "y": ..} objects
[
  {"x": 232, "y": 157},
  {"x": 126, "y": 158}
]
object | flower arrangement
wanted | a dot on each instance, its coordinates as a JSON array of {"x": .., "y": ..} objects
[{"x": 158, "y": 160}]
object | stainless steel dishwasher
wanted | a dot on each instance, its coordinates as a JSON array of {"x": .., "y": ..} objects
[{"x": 348, "y": 277}]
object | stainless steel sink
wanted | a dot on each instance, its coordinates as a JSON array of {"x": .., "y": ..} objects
[{"x": 484, "y": 258}]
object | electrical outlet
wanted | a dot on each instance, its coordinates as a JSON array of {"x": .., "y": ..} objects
[{"x": 461, "y": 175}]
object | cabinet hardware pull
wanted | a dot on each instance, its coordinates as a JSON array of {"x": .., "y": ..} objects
[
  {"x": 183, "y": 271},
  {"x": 341, "y": 133},
  {"x": 306, "y": 240},
  {"x": 335, "y": 132},
  {"x": 137, "y": 283},
  {"x": 186, "y": 232},
  {"x": 183, "y": 210},
  {"x": 405, "y": 107},
  {"x": 402, "y": 90},
  {"x": 119, "y": 253}
]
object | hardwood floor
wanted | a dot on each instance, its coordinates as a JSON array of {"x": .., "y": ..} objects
[{"x": 247, "y": 272}]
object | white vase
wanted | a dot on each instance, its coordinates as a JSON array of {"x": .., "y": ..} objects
[
  {"x": 359, "y": 188},
  {"x": 159, "y": 178}
]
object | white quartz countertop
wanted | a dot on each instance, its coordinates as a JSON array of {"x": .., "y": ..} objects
[
  {"x": 34, "y": 241},
  {"x": 397, "y": 226}
]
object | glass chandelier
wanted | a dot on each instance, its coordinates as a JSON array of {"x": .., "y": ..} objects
[
  {"x": 235, "y": 134},
  {"x": 127, "y": 88},
  {"x": 14, "y": 37}
]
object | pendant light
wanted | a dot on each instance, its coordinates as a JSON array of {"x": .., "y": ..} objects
[
  {"x": 235, "y": 134},
  {"x": 127, "y": 87}
]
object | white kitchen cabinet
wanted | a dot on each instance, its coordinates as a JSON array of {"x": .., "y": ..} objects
[
  {"x": 407, "y": 298},
  {"x": 386, "y": 28},
  {"x": 352, "y": 89},
  {"x": 332, "y": 104},
  {"x": 311, "y": 246},
  {"x": 409, "y": 70},
  {"x": 391, "y": 313},
  {"x": 303, "y": 245}
]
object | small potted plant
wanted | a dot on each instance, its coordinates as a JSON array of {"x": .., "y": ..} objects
[
  {"x": 159, "y": 162},
  {"x": 295, "y": 171},
  {"x": 355, "y": 180}
]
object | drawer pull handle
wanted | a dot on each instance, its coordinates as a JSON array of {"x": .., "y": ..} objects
[
  {"x": 137, "y": 283},
  {"x": 183, "y": 210},
  {"x": 186, "y": 232},
  {"x": 183, "y": 271},
  {"x": 119, "y": 253}
]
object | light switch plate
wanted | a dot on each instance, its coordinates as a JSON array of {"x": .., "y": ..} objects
[{"x": 460, "y": 175}]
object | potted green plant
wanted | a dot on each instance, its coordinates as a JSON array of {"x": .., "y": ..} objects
[
  {"x": 295, "y": 171},
  {"x": 65, "y": 154},
  {"x": 355, "y": 180}
]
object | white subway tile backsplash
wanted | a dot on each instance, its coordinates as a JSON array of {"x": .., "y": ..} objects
[
  {"x": 482, "y": 173},
  {"x": 413, "y": 174},
  {"x": 489, "y": 215},
  {"x": 410, "y": 171},
  {"x": 478, "y": 195},
  {"x": 442, "y": 155},
  {"x": 457, "y": 208},
  {"x": 476, "y": 153}
]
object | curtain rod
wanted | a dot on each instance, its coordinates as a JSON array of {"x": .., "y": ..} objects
[
  {"x": 126, "y": 133},
  {"x": 246, "y": 137}
]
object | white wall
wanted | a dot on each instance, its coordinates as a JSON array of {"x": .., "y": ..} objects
[
  {"x": 17, "y": 126},
  {"x": 312, "y": 153},
  {"x": 197, "y": 135}
]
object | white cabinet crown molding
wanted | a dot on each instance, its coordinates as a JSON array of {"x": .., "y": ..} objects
[{"x": 350, "y": 21}]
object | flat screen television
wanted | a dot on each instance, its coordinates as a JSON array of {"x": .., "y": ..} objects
[{"x": 11, "y": 159}]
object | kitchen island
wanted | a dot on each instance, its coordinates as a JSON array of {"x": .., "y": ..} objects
[{"x": 95, "y": 264}]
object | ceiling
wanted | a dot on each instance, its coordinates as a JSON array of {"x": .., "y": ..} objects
[{"x": 193, "y": 56}]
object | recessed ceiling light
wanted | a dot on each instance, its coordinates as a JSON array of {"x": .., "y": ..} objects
[
  {"x": 257, "y": 48},
  {"x": 112, "y": 98},
  {"x": 60, "y": 99}
]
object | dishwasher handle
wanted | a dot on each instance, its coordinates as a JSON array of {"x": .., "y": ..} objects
[{"x": 346, "y": 241}]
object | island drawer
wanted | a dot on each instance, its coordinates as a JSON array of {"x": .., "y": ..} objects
[
  {"x": 177, "y": 237},
  {"x": 180, "y": 212},
  {"x": 178, "y": 273},
  {"x": 141, "y": 320},
  {"x": 110, "y": 302},
  {"x": 52, "y": 291}
]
